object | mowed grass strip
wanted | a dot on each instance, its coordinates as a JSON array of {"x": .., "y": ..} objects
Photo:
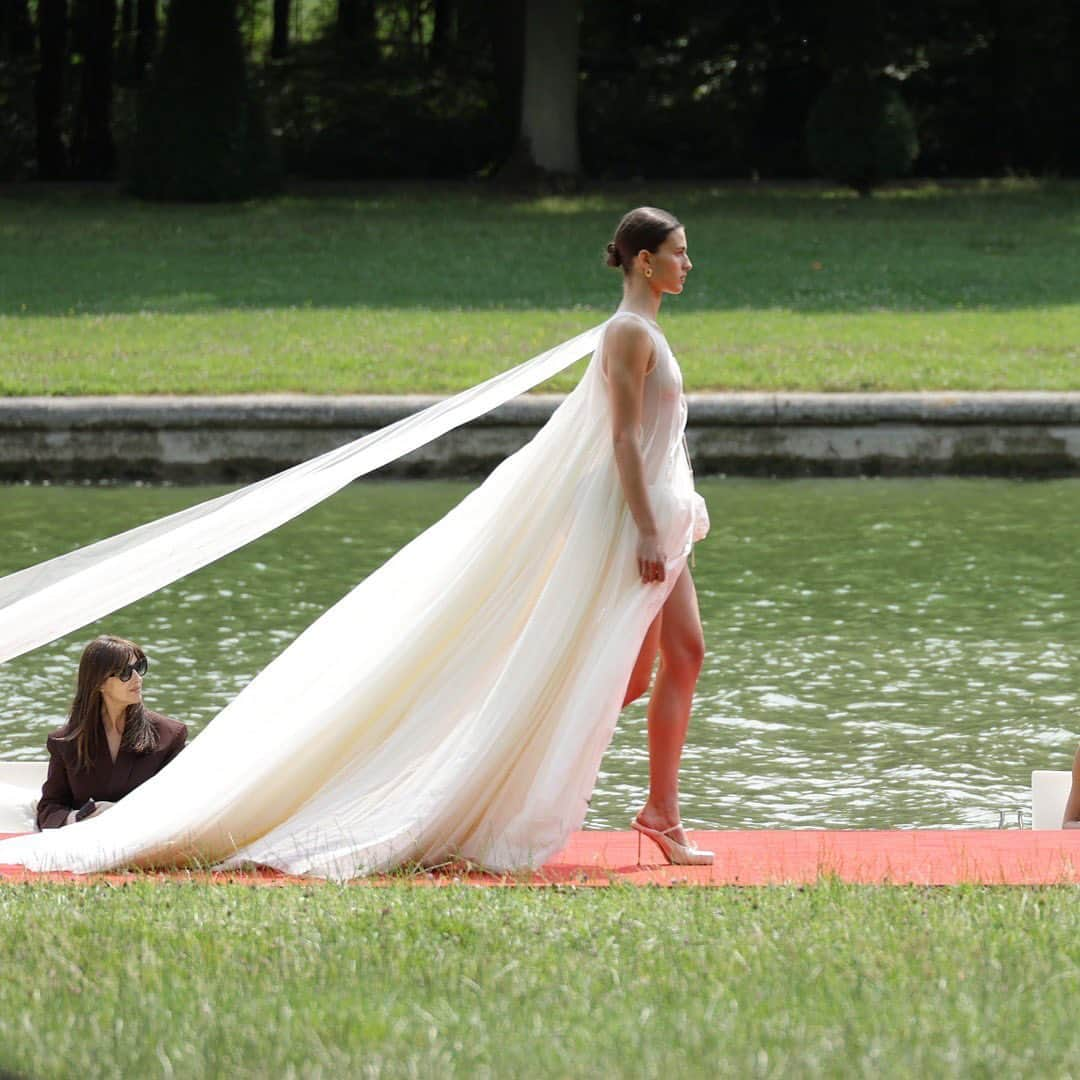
[
  {"x": 416, "y": 290},
  {"x": 828, "y": 981}
]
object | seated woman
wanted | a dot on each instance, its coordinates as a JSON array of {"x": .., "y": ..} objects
[
  {"x": 111, "y": 743},
  {"x": 1072, "y": 805}
]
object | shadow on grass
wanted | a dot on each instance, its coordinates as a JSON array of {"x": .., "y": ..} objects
[{"x": 798, "y": 247}]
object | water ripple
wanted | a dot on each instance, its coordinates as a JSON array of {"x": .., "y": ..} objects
[{"x": 882, "y": 654}]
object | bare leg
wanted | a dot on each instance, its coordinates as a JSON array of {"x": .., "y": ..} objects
[
  {"x": 641, "y": 676},
  {"x": 682, "y": 651}
]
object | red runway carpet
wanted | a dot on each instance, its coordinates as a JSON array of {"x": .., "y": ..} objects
[{"x": 762, "y": 857}]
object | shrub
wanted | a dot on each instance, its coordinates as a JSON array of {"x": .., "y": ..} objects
[
  {"x": 859, "y": 132},
  {"x": 201, "y": 133}
]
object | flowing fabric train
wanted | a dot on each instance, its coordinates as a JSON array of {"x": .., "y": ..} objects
[
  {"x": 456, "y": 702},
  {"x": 44, "y": 602}
]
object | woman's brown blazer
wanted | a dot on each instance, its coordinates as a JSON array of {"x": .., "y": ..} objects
[{"x": 67, "y": 788}]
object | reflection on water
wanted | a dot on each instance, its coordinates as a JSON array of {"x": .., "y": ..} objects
[{"x": 881, "y": 653}]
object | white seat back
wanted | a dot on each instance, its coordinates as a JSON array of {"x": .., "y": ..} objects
[
  {"x": 1049, "y": 792},
  {"x": 20, "y": 787}
]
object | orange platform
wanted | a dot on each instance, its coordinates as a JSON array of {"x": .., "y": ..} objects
[{"x": 759, "y": 857}]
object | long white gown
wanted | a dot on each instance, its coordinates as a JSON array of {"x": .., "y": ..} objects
[{"x": 458, "y": 701}]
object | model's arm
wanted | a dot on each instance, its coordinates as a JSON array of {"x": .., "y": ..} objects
[
  {"x": 1072, "y": 806},
  {"x": 628, "y": 350}
]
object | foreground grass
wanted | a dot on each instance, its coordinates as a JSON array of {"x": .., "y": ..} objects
[
  {"x": 428, "y": 290},
  {"x": 325, "y": 981}
]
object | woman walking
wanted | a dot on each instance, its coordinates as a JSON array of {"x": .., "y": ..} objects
[{"x": 457, "y": 703}]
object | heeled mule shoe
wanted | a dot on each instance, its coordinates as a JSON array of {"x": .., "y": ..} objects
[{"x": 677, "y": 854}]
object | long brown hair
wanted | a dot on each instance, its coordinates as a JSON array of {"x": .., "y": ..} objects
[{"x": 103, "y": 657}]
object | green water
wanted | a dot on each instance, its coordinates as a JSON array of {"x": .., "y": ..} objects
[{"x": 881, "y": 653}]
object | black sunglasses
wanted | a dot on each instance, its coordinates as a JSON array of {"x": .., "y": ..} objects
[{"x": 124, "y": 674}]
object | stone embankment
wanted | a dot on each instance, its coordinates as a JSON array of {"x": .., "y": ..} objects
[{"x": 189, "y": 439}]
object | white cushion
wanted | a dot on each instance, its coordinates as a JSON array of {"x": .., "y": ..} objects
[
  {"x": 1049, "y": 793},
  {"x": 20, "y": 788}
]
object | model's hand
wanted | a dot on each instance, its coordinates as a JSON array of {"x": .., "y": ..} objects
[
  {"x": 650, "y": 558},
  {"x": 99, "y": 808}
]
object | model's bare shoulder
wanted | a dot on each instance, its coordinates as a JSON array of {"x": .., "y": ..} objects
[{"x": 628, "y": 344}]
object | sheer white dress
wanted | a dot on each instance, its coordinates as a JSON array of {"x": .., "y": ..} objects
[{"x": 458, "y": 701}]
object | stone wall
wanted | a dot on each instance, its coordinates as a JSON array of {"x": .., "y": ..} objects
[{"x": 188, "y": 439}]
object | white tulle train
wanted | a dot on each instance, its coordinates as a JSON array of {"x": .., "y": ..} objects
[{"x": 456, "y": 703}]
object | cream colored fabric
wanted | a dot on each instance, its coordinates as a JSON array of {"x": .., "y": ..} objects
[
  {"x": 44, "y": 602},
  {"x": 457, "y": 702}
]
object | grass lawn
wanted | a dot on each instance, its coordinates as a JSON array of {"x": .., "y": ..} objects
[
  {"x": 410, "y": 289},
  {"x": 329, "y": 981}
]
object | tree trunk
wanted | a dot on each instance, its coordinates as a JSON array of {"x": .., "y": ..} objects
[
  {"x": 126, "y": 73},
  {"x": 279, "y": 45},
  {"x": 49, "y": 88},
  {"x": 1003, "y": 60},
  {"x": 146, "y": 35},
  {"x": 505, "y": 21},
  {"x": 16, "y": 28},
  {"x": 356, "y": 20},
  {"x": 93, "y": 153},
  {"x": 1069, "y": 103},
  {"x": 442, "y": 33},
  {"x": 549, "y": 130}
]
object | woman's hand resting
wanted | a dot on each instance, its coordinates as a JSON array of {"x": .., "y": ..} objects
[
  {"x": 650, "y": 559},
  {"x": 99, "y": 808}
]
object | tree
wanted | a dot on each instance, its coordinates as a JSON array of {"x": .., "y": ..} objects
[
  {"x": 548, "y": 139},
  {"x": 356, "y": 28},
  {"x": 146, "y": 35},
  {"x": 859, "y": 131},
  {"x": 138, "y": 41},
  {"x": 201, "y": 133},
  {"x": 93, "y": 153},
  {"x": 356, "y": 19},
  {"x": 442, "y": 30},
  {"x": 279, "y": 42},
  {"x": 49, "y": 88},
  {"x": 16, "y": 29}
]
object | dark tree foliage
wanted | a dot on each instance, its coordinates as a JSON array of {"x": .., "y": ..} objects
[
  {"x": 279, "y": 43},
  {"x": 146, "y": 35},
  {"x": 93, "y": 152},
  {"x": 16, "y": 29},
  {"x": 356, "y": 26},
  {"x": 49, "y": 88},
  {"x": 859, "y": 130},
  {"x": 861, "y": 133},
  {"x": 406, "y": 112},
  {"x": 16, "y": 102},
  {"x": 702, "y": 88},
  {"x": 201, "y": 133},
  {"x": 137, "y": 41}
]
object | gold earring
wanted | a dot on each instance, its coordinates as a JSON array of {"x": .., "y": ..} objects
[{"x": 648, "y": 271}]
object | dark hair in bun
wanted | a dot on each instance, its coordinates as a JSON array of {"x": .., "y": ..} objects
[{"x": 643, "y": 229}]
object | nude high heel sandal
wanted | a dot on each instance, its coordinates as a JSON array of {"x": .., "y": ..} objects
[{"x": 677, "y": 854}]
